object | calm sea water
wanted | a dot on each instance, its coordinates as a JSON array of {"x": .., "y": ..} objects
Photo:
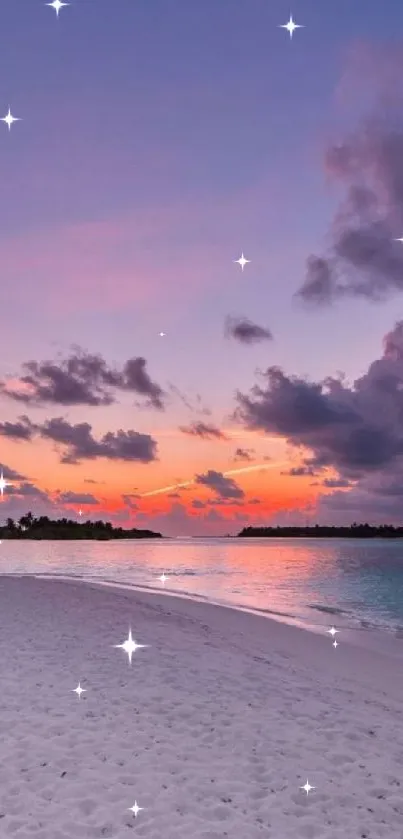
[{"x": 316, "y": 583}]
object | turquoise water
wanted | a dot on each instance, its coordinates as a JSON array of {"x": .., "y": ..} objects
[{"x": 355, "y": 584}]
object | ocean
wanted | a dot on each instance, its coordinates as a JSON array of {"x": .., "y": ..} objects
[{"x": 315, "y": 583}]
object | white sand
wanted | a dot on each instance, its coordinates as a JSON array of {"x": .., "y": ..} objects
[{"x": 212, "y": 729}]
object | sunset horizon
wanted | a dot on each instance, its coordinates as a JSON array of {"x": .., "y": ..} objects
[{"x": 200, "y": 293}]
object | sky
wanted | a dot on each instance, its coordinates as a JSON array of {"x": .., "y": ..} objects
[{"x": 145, "y": 377}]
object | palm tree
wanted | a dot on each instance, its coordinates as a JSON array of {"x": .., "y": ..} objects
[{"x": 26, "y": 521}]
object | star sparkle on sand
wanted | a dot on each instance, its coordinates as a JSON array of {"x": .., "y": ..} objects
[
  {"x": 135, "y": 809},
  {"x": 57, "y": 5},
  {"x": 307, "y": 787},
  {"x": 79, "y": 690},
  {"x": 130, "y": 646},
  {"x": 9, "y": 119},
  {"x": 242, "y": 261},
  {"x": 291, "y": 26}
]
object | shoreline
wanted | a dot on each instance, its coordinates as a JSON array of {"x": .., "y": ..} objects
[
  {"x": 384, "y": 640},
  {"x": 212, "y": 729}
]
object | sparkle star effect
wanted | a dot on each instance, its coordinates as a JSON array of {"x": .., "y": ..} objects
[
  {"x": 9, "y": 119},
  {"x": 3, "y": 484},
  {"x": 335, "y": 644},
  {"x": 162, "y": 334},
  {"x": 332, "y": 631},
  {"x": 242, "y": 261},
  {"x": 130, "y": 646},
  {"x": 163, "y": 578},
  {"x": 57, "y": 5},
  {"x": 307, "y": 787},
  {"x": 80, "y": 512},
  {"x": 79, "y": 690},
  {"x": 135, "y": 809},
  {"x": 291, "y": 26}
]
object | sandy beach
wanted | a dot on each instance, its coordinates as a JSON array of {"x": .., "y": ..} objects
[{"x": 212, "y": 729}]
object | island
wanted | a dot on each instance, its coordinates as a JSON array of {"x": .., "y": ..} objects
[
  {"x": 29, "y": 527},
  {"x": 317, "y": 531}
]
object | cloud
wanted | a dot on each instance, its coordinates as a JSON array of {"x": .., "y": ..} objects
[
  {"x": 244, "y": 454},
  {"x": 363, "y": 259},
  {"x": 81, "y": 445},
  {"x": 222, "y": 486},
  {"x": 204, "y": 430},
  {"x": 23, "y": 429},
  {"x": 196, "y": 407},
  {"x": 77, "y": 498},
  {"x": 356, "y": 430},
  {"x": 246, "y": 332},
  {"x": 299, "y": 471},
  {"x": 332, "y": 483},
  {"x": 137, "y": 380},
  {"x": 10, "y": 474},
  {"x": 128, "y": 500},
  {"x": 81, "y": 379}
]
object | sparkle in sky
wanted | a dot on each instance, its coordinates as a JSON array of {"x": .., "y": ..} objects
[
  {"x": 242, "y": 261},
  {"x": 9, "y": 119},
  {"x": 3, "y": 484},
  {"x": 291, "y": 26},
  {"x": 57, "y": 5}
]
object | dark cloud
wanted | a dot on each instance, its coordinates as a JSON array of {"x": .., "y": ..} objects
[
  {"x": 203, "y": 430},
  {"x": 364, "y": 260},
  {"x": 198, "y": 505},
  {"x": 27, "y": 490},
  {"x": 356, "y": 430},
  {"x": 136, "y": 379},
  {"x": 246, "y": 332},
  {"x": 224, "y": 487},
  {"x": 299, "y": 471},
  {"x": 21, "y": 430},
  {"x": 81, "y": 445},
  {"x": 244, "y": 454},
  {"x": 81, "y": 379},
  {"x": 10, "y": 474},
  {"x": 77, "y": 498},
  {"x": 334, "y": 483},
  {"x": 224, "y": 502}
]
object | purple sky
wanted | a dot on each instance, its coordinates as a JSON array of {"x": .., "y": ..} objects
[{"x": 157, "y": 142}]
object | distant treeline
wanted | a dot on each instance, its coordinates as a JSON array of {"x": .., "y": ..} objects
[
  {"x": 354, "y": 531},
  {"x": 28, "y": 527}
]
